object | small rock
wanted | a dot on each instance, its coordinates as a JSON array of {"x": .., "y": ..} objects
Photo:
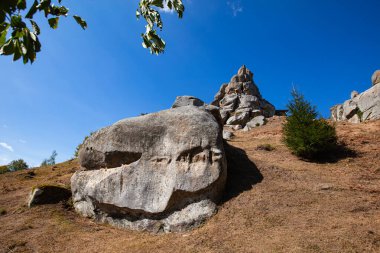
[
  {"x": 255, "y": 122},
  {"x": 325, "y": 187},
  {"x": 237, "y": 127},
  {"x": 227, "y": 135}
]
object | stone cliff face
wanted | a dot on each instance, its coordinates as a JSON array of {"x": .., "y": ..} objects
[
  {"x": 240, "y": 101},
  {"x": 361, "y": 107}
]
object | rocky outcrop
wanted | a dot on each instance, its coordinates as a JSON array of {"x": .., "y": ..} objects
[
  {"x": 159, "y": 172},
  {"x": 361, "y": 107},
  {"x": 240, "y": 100}
]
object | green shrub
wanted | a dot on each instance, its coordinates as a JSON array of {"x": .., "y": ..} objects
[
  {"x": 265, "y": 147},
  {"x": 306, "y": 135},
  {"x": 17, "y": 165},
  {"x": 4, "y": 169}
]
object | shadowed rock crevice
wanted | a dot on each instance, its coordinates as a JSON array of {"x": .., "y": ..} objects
[{"x": 118, "y": 158}]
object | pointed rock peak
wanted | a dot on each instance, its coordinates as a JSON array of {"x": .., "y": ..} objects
[
  {"x": 376, "y": 77},
  {"x": 245, "y": 73},
  {"x": 242, "y": 70}
]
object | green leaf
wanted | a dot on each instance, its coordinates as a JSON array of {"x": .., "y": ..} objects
[
  {"x": 3, "y": 37},
  {"x": 158, "y": 3},
  {"x": 32, "y": 10},
  {"x": 21, "y": 4},
  {"x": 53, "y": 22},
  {"x": 17, "y": 51},
  {"x": 59, "y": 11},
  {"x": 36, "y": 28},
  {"x": 16, "y": 21},
  {"x": 7, "y": 48},
  {"x": 80, "y": 21}
]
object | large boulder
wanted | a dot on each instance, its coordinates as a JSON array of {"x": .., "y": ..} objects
[
  {"x": 159, "y": 172},
  {"x": 240, "y": 100},
  {"x": 361, "y": 107}
]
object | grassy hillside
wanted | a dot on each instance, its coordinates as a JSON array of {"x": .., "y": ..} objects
[{"x": 274, "y": 202}]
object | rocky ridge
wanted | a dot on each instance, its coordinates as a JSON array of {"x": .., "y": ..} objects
[
  {"x": 361, "y": 107},
  {"x": 241, "y": 102}
]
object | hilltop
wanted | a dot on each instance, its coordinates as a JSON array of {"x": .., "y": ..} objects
[{"x": 274, "y": 202}]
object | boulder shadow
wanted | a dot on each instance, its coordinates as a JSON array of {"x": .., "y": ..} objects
[{"x": 242, "y": 173}]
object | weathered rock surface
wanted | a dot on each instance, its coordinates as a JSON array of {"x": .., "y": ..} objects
[
  {"x": 48, "y": 194},
  {"x": 240, "y": 100},
  {"x": 376, "y": 77},
  {"x": 159, "y": 172},
  {"x": 255, "y": 122},
  {"x": 354, "y": 93},
  {"x": 361, "y": 107},
  {"x": 187, "y": 100},
  {"x": 227, "y": 135}
]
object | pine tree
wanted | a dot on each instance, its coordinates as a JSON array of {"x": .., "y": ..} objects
[{"x": 306, "y": 135}]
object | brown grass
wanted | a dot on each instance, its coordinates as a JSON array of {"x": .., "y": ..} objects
[{"x": 274, "y": 202}]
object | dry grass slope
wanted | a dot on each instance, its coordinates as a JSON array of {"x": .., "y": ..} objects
[{"x": 274, "y": 203}]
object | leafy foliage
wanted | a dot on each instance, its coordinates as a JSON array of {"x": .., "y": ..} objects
[
  {"x": 19, "y": 39},
  {"x": 18, "y": 165},
  {"x": 306, "y": 135},
  {"x": 50, "y": 161},
  {"x": 148, "y": 10},
  {"x": 3, "y": 169}
]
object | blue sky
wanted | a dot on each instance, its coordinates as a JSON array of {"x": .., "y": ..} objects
[{"x": 85, "y": 80}]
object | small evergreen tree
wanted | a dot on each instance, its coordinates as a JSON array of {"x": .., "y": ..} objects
[
  {"x": 51, "y": 160},
  {"x": 17, "y": 165},
  {"x": 304, "y": 134}
]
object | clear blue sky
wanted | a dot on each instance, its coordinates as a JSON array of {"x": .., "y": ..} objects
[{"x": 85, "y": 80}]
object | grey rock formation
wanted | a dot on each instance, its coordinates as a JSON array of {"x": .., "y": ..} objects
[
  {"x": 255, "y": 122},
  {"x": 362, "y": 107},
  {"x": 376, "y": 77},
  {"x": 160, "y": 172},
  {"x": 240, "y": 100}
]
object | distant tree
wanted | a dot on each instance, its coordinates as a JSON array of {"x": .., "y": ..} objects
[
  {"x": 17, "y": 165},
  {"x": 4, "y": 169},
  {"x": 305, "y": 134},
  {"x": 21, "y": 41},
  {"x": 50, "y": 160}
]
